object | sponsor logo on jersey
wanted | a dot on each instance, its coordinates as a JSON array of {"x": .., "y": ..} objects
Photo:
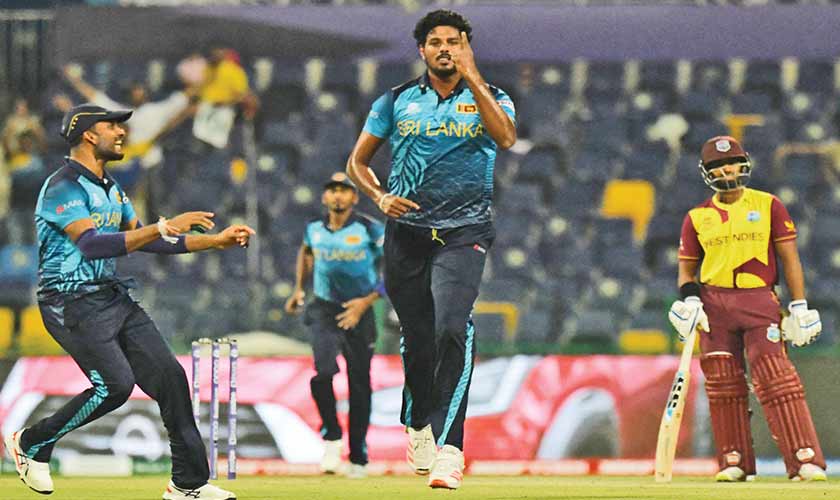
[
  {"x": 506, "y": 102},
  {"x": 467, "y": 108},
  {"x": 353, "y": 239},
  {"x": 412, "y": 108},
  {"x": 97, "y": 201},
  {"x": 753, "y": 216},
  {"x": 70, "y": 204}
]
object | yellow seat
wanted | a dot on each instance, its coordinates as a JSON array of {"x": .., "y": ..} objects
[
  {"x": 34, "y": 340},
  {"x": 632, "y": 199},
  {"x": 7, "y": 330},
  {"x": 643, "y": 341}
]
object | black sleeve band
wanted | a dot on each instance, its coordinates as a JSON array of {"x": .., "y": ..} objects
[{"x": 689, "y": 289}]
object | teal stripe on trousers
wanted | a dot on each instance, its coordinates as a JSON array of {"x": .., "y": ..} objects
[{"x": 461, "y": 388}]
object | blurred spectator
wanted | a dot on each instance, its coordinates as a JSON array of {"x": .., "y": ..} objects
[
  {"x": 21, "y": 122},
  {"x": 150, "y": 120},
  {"x": 225, "y": 87}
]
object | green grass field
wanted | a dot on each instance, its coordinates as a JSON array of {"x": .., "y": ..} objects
[{"x": 411, "y": 488}]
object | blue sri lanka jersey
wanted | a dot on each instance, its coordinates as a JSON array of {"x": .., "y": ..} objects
[
  {"x": 442, "y": 157},
  {"x": 72, "y": 193},
  {"x": 345, "y": 260}
]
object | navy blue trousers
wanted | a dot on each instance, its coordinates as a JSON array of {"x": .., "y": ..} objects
[
  {"x": 356, "y": 345},
  {"x": 432, "y": 279},
  {"x": 117, "y": 345}
]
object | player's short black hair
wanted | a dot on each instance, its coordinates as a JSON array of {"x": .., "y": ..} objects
[{"x": 441, "y": 17}]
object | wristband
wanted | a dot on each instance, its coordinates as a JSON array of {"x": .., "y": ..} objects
[
  {"x": 161, "y": 225},
  {"x": 689, "y": 289}
]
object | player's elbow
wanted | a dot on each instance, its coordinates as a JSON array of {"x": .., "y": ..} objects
[{"x": 507, "y": 141}]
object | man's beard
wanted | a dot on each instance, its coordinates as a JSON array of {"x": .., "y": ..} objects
[
  {"x": 442, "y": 73},
  {"x": 339, "y": 209},
  {"x": 109, "y": 155}
]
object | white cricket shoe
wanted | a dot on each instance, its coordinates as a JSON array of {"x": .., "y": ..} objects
[
  {"x": 731, "y": 475},
  {"x": 34, "y": 474},
  {"x": 421, "y": 449},
  {"x": 206, "y": 492},
  {"x": 357, "y": 471},
  {"x": 448, "y": 469},
  {"x": 810, "y": 472},
  {"x": 331, "y": 460}
]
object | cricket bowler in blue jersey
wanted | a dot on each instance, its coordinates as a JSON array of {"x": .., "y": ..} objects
[
  {"x": 84, "y": 221},
  {"x": 444, "y": 129}
]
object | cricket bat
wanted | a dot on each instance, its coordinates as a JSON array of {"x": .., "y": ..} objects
[{"x": 669, "y": 427}]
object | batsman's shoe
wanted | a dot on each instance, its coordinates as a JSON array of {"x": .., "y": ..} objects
[
  {"x": 331, "y": 460},
  {"x": 421, "y": 449},
  {"x": 34, "y": 474},
  {"x": 206, "y": 492},
  {"x": 810, "y": 472},
  {"x": 448, "y": 469},
  {"x": 357, "y": 471},
  {"x": 731, "y": 475}
]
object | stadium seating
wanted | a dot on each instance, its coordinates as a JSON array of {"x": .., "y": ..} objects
[{"x": 589, "y": 136}]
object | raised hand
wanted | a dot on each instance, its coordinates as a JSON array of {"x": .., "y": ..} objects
[{"x": 464, "y": 59}]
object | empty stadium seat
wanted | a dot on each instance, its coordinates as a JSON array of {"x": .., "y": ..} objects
[
  {"x": 33, "y": 339},
  {"x": 7, "y": 331},
  {"x": 631, "y": 199},
  {"x": 637, "y": 341}
]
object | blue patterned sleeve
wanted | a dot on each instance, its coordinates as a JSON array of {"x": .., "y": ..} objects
[
  {"x": 380, "y": 120},
  {"x": 63, "y": 204},
  {"x": 506, "y": 103}
]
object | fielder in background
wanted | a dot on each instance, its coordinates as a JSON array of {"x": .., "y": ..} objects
[
  {"x": 444, "y": 129},
  {"x": 736, "y": 237},
  {"x": 342, "y": 251},
  {"x": 85, "y": 220}
]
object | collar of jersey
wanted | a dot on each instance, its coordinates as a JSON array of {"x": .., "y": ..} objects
[
  {"x": 728, "y": 206},
  {"x": 78, "y": 167},
  {"x": 349, "y": 222},
  {"x": 426, "y": 84}
]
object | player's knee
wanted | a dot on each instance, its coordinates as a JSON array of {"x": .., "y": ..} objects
[
  {"x": 118, "y": 392},
  {"x": 454, "y": 326}
]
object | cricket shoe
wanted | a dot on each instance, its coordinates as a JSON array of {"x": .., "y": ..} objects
[
  {"x": 356, "y": 471},
  {"x": 731, "y": 475},
  {"x": 34, "y": 474},
  {"x": 331, "y": 460},
  {"x": 421, "y": 450},
  {"x": 448, "y": 469},
  {"x": 810, "y": 472},
  {"x": 206, "y": 492}
]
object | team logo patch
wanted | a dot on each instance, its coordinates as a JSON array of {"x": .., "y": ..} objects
[
  {"x": 773, "y": 333},
  {"x": 467, "y": 108},
  {"x": 353, "y": 239},
  {"x": 723, "y": 145},
  {"x": 753, "y": 216},
  {"x": 412, "y": 108}
]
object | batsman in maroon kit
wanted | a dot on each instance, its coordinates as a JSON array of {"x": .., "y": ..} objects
[{"x": 735, "y": 238}]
